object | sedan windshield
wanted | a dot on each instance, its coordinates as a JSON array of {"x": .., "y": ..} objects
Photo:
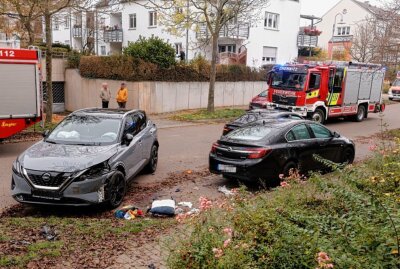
[
  {"x": 86, "y": 130},
  {"x": 282, "y": 79},
  {"x": 252, "y": 133}
]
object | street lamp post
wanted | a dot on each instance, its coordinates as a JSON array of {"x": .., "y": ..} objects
[{"x": 333, "y": 30}]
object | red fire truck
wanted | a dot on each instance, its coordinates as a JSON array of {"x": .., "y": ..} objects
[
  {"x": 321, "y": 91},
  {"x": 20, "y": 90}
]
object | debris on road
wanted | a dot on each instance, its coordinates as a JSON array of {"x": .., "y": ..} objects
[
  {"x": 128, "y": 212},
  {"x": 225, "y": 191},
  {"x": 187, "y": 204},
  {"x": 163, "y": 207},
  {"x": 48, "y": 233}
]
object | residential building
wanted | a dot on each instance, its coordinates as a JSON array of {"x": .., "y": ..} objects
[
  {"x": 269, "y": 40},
  {"x": 345, "y": 16}
]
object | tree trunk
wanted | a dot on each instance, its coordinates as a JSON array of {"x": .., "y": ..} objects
[
  {"x": 213, "y": 72},
  {"x": 49, "y": 84},
  {"x": 31, "y": 34}
]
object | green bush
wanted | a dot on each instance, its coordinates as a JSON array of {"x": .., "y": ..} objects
[
  {"x": 74, "y": 59},
  {"x": 134, "y": 69},
  {"x": 349, "y": 215},
  {"x": 153, "y": 50}
]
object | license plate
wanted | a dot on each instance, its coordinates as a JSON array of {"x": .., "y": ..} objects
[
  {"x": 50, "y": 195},
  {"x": 226, "y": 168}
]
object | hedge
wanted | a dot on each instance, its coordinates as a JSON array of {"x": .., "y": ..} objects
[{"x": 131, "y": 69}]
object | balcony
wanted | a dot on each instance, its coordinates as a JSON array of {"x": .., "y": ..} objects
[
  {"x": 233, "y": 31},
  {"x": 113, "y": 35},
  {"x": 232, "y": 58},
  {"x": 77, "y": 31},
  {"x": 308, "y": 37}
]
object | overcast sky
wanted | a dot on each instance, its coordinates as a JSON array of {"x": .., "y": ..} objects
[{"x": 319, "y": 7}]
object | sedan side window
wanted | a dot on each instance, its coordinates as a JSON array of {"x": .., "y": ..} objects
[
  {"x": 320, "y": 131},
  {"x": 301, "y": 132},
  {"x": 295, "y": 117},
  {"x": 290, "y": 136}
]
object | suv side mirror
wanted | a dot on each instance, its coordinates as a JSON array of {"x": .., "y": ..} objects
[
  {"x": 46, "y": 133},
  {"x": 336, "y": 135},
  {"x": 128, "y": 139},
  {"x": 390, "y": 84}
]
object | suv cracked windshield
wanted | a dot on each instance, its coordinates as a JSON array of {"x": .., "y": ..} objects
[{"x": 86, "y": 130}]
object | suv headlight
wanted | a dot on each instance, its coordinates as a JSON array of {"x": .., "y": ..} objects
[
  {"x": 17, "y": 168},
  {"x": 94, "y": 171}
]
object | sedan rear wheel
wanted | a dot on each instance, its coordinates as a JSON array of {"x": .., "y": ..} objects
[
  {"x": 116, "y": 189},
  {"x": 290, "y": 169}
]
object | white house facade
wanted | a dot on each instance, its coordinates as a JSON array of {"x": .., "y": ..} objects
[
  {"x": 269, "y": 40},
  {"x": 339, "y": 24}
]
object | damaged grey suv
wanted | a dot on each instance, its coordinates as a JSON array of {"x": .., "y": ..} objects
[{"x": 87, "y": 159}]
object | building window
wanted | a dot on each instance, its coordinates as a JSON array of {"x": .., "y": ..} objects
[
  {"x": 103, "y": 50},
  {"x": 178, "y": 48},
  {"x": 271, "y": 21},
  {"x": 66, "y": 18},
  {"x": 227, "y": 48},
  {"x": 132, "y": 21},
  {"x": 56, "y": 24},
  {"x": 269, "y": 55},
  {"x": 343, "y": 30},
  {"x": 152, "y": 19},
  {"x": 102, "y": 23}
]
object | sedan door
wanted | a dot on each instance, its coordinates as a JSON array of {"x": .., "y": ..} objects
[
  {"x": 300, "y": 144},
  {"x": 328, "y": 147}
]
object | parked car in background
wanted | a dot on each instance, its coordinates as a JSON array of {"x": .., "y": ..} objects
[
  {"x": 259, "y": 101},
  {"x": 87, "y": 159},
  {"x": 394, "y": 91},
  {"x": 265, "y": 151},
  {"x": 259, "y": 114}
]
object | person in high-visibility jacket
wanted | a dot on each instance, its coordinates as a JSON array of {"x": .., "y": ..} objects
[{"x": 122, "y": 95}]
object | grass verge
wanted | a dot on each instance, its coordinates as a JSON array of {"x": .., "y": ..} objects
[
  {"x": 203, "y": 114},
  {"x": 81, "y": 241}
]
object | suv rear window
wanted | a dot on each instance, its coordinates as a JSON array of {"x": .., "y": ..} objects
[{"x": 252, "y": 133}]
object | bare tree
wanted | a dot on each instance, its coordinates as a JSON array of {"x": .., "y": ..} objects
[
  {"x": 364, "y": 45},
  {"x": 183, "y": 15},
  {"x": 47, "y": 9},
  {"x": 25, "y": 12}
]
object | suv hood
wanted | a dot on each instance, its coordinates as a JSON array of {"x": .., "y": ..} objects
[{"x": 44, "y": 156}]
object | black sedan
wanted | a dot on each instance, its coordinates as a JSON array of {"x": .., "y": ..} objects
[
  {"x": 259, "y": 114},
  {"x": 265, "y": 151}
]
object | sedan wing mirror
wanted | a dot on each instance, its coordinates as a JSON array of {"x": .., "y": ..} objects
[{"x": 128, "y": 139}]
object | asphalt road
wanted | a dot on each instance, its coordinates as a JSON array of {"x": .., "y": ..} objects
[{"x": 187, "y": 147}]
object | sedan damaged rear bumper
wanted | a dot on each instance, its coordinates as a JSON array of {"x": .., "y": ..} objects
[{"x": 248, "y": 170}]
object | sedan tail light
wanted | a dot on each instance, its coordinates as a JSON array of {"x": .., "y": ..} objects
[
  {"x": 226, "y": 130},
  {"x": 214, "y": 147},
  {"x": 257, "y": 153}
]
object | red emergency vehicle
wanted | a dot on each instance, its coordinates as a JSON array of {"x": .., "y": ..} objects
[
  {"x": 20, "y": 90},
  {"x": 321, "y": 91}
]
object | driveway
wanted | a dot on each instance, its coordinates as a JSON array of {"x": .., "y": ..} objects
[{"x": 186, "y": 146}]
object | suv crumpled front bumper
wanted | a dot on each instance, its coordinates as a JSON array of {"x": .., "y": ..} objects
[{"x": 83, "y": 193}]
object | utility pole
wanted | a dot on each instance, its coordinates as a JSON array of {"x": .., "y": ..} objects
[{"x": 187, "y": 31}]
